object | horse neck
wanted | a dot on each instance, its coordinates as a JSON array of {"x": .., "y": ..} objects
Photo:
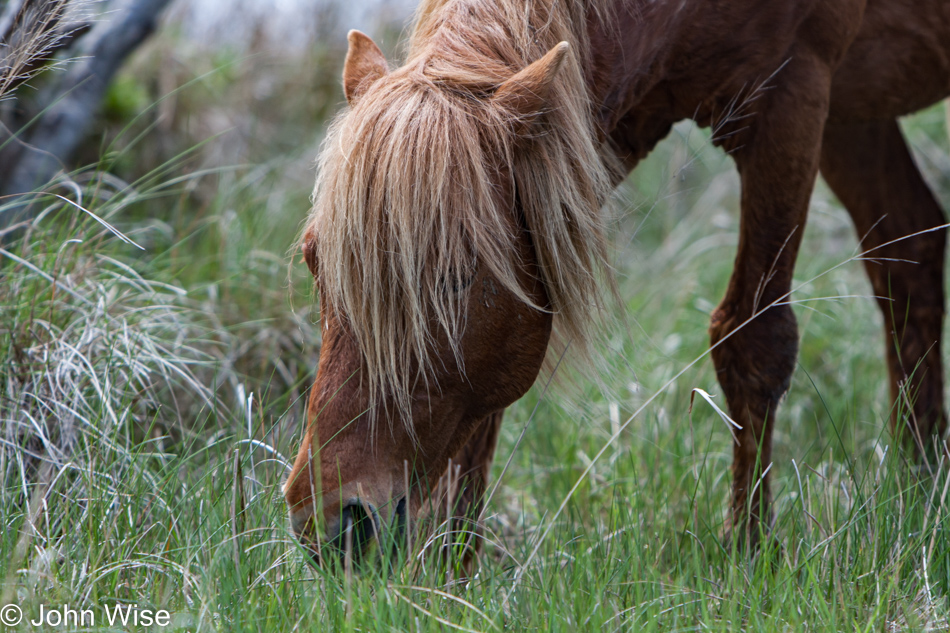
[
  {"x": 624, "y": 46},
  {"x": 529, "y": 28},
  {"x": 631, "y": 50}
]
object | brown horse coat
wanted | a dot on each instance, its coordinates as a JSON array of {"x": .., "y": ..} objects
[{"x": 438, "y": 290}]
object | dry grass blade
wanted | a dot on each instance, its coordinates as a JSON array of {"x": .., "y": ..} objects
[
  {"x": 452, "y": 598},
  {"x": 435, "y": 617},
  {"x": 237, "y": 507},
  {"x": 730, "y": 423},
  {"x": 101, "y": 221},
  {"x": 30, "y": 35}
]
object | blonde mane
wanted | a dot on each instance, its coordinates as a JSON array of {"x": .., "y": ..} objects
[{"x": 406, "y": 196}]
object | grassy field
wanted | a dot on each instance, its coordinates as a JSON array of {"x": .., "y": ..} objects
[{"x": 153, "y": 392}]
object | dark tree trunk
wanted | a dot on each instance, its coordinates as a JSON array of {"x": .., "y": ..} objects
[{"x": 33, "y": 156}]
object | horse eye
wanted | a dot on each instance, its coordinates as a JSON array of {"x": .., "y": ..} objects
[
  {"x": 457, "y": 283},
  {"x": 463, "y": 284}
]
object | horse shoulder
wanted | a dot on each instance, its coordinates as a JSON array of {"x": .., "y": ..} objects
[{"x": 898, "y": 63}]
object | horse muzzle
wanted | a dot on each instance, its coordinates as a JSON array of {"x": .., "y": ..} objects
[
  {"x": 352, "y": 537},
  {"x": 355, "y": 532}
]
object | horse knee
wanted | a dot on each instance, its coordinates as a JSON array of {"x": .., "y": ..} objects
[{"x": 754, "y": 359}]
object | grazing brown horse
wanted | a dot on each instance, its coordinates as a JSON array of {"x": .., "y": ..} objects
[{"x": 456, "y": 221}]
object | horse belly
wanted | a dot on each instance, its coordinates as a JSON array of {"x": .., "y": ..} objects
[{"x": 898, "y": 63}]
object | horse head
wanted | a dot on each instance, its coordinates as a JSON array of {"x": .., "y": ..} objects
[{"x": 440, "y": 262}]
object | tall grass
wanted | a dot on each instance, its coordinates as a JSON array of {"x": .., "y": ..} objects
[{"x": 152, "y": 401}]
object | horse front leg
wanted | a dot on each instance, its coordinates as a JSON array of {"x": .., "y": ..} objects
[{"x": 753, "y": 330}]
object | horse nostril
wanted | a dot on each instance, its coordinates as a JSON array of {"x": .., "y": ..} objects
[
  {"x": 359, "y": 525},
  {"x": 399, "y": 516},
  {"x": 399, "y": 523}
]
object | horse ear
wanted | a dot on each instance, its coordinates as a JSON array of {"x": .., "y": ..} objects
[
  {"x": 526, "y": 93},
  {"x": 308, "y": 246},
  {"x": 364, "y": 64}
]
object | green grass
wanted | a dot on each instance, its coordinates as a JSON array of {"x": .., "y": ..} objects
[{"x": 152, "y": 401}]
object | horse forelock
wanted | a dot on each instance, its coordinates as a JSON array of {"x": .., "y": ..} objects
[{"x": 407, "y": 190}]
